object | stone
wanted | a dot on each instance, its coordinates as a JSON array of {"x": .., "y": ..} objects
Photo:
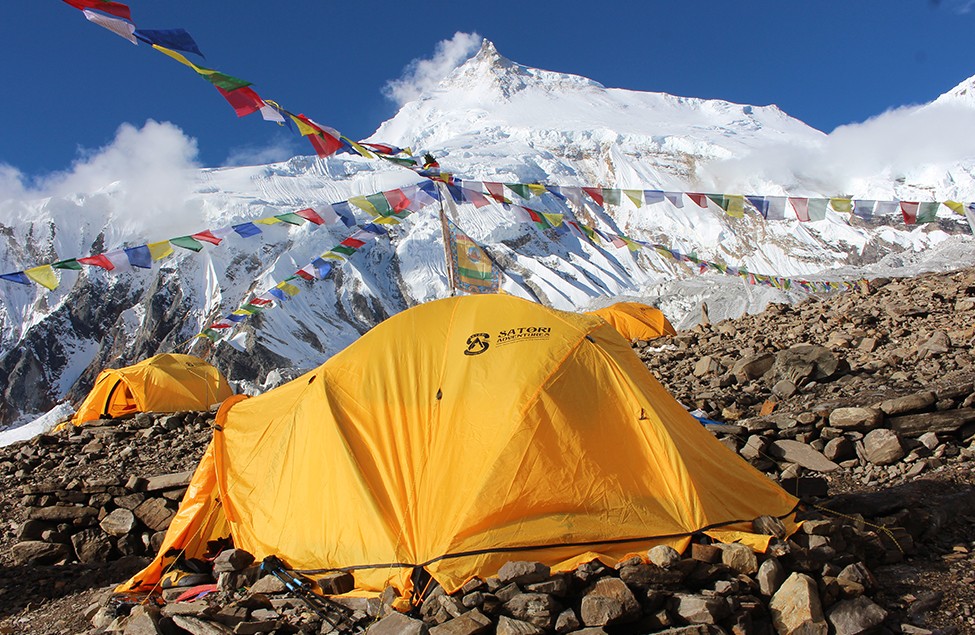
[
  {"x": 882, "y": 447},
  {"x": 705, "y": 553},
  {"x": 523, "y": 572},
  {"x": 556, "y": 585},
  {"x": 770, "y": 576},
  {"x": 839, "y": 449},
  {"x": 268, "y": 584},
  {"x": 154, "y": 514},
  {"x": 752, "y": 367},
  {"x": 567, "y": 621},
  {"x": 167, "y": 481},
  {"x": 740, "y": 558},
  {"x": 796, "y": 608},
  {"x": 62, "y": 513},
  {"x": 143, "y": 620},
  {"x": 784, "y": 389},
  {"x": 336, "y": 583},
  {"x": 539, "y": 609},
  {"x": 698, "y": 609},
  {"x": 119, "y": 522},
  {"x": 804, "y": 362},
  {"x": 508, "y": 626},
  {"x": 197, "y": 626},
  {"x": 945, "y": 422},
  {"x": 908, "y": 403},
  {"x": 232, "y": 560},
  {"x": 936, "y": 344},
  {"x": 801, "y": 454},
  {"x": 769, "y": 526},
  {"x": 855, "y": 617},
  {"x": 862, "y": 419},
  {"x": 471, "y": 623},
  {"x": 254, "y": 628},
  {"x": 859, "y": 573},
  {"x": 91, "y": 545},
  {"x": 707, "y": 366},
  {"x": 609, "y": 601},
  {"x": 663, "y": 556},
  {"x": 36, "y": 552}
]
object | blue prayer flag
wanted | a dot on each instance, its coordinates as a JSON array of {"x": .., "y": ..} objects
[
  {"x": 344, "y": 210},
  {"x": 247, "y": 229},
  {"x": 139, "y": 256},
  {"x": 176, "y": 39},
  {"x": 279, "y": 294},
  {"x": 19, "y": 277},
  {"x": 760, "y": 203},
  {"x": 322, "y": 266}
]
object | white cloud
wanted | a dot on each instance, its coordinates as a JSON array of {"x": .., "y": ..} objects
[
  {"x": 423, "y": 74},
  {"x": 279, "y": 149},
  {"x": 896, "y": 143},
  {"x": 147, "y": 175}
]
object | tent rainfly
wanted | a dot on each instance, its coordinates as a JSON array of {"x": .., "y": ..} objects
[
  {"x": 163, "y": 383},
  {"x": 456, "y": 436},
  {"x": 636, "y": 321}
]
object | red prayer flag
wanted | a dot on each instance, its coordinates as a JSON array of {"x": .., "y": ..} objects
[
  {"x": 310, "y": 215},
  {"x": 112, "y": 8},
  {"x": 397, "y": 200},
  {"x": 207, "y": 237},
  {"x": 97, "y": 261},
  {"x": 596, "y": 193},
  {"x": 324, "y": 144},
  {"x": 260, "y": 301},
  {"x": 700, "y": 199},
  {"x": 496, "y": 191},
  {"x": 304, "y": 274},
  {"x": 355, "y": 243},
  {"x": 909, "y": 211},
  {"x": 243, "y": 100}
]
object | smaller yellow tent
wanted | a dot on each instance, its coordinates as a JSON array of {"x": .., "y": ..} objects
[
  {"x": 636, "y": 321},
  {"x": 164, "y": 383}
]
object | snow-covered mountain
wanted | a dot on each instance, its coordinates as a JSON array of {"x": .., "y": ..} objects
[{"x": 490, "y": 120}]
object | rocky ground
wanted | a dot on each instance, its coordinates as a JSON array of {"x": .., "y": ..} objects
[{"x": 862, "y": 403}]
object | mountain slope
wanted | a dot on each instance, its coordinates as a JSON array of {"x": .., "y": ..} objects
[{"x": 492, "y": 119}]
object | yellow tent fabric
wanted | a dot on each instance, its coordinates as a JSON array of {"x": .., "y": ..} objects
[
  {"x": 636, "y": 321},
  {"x": 459, "y": 435},
  {"x": 163, "y": 383}
]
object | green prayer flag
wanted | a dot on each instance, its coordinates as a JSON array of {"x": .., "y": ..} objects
[
  {"x": 520, "y": 189},
  {"x": 927, "y": 212},
  {"x": 224, "y": 81},
  {"x": 70, "y": 263},
  {"x": 187, "y": 242},
  {"x": 611, "y": 196},
  {"x": 816, "y": 208},
  {"x": 293, "y": 219},
  {"x": 342, "y": 249}
]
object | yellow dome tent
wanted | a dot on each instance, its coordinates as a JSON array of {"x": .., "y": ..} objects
[
  {"x": 459, "y": 435},
  {"x": 636, "y": 321},
  {"x": 163, "y": 383}
]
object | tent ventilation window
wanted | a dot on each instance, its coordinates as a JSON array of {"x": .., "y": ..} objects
[{"x": 439, "y": 394}]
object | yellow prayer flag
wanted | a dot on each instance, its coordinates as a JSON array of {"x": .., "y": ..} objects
[
  {"x": 182, "y": 60},
  {"x": 554, "y": 219},
  {"x": 288, "y": 288},
  {"x": 631, "y": 244},
  {"x": 331, "y": 255},
  {"x": 386, "y": 220},
  {"x": 537, "y": 189},
  {"x": 735, "y": 205},
  {"x": 365, "y": 205},
  {"x": 636, "y": 196},
  {"x": 160, "y": 250},
  {"x": 271, "y": 220},
  {"x": 303, "y": 127},
  {"x": 44, "y": 276},
  {"x": 842, "y": 205},
  {"x": 956, "y": 207},
  {"x": 358, "y": 148}
]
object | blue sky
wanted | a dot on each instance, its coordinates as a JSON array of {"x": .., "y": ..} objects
[{"x": 69, "y": 85}]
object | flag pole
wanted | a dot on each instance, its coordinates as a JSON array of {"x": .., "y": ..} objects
[{"x": 448, "y": 256}]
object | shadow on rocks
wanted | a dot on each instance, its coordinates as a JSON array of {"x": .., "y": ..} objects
[{"x": 26, "y": 586}]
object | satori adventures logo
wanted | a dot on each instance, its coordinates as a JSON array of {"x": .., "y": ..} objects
[
  {"x": 477, "y": 344},
  {"x": 523, "y": 333}
]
